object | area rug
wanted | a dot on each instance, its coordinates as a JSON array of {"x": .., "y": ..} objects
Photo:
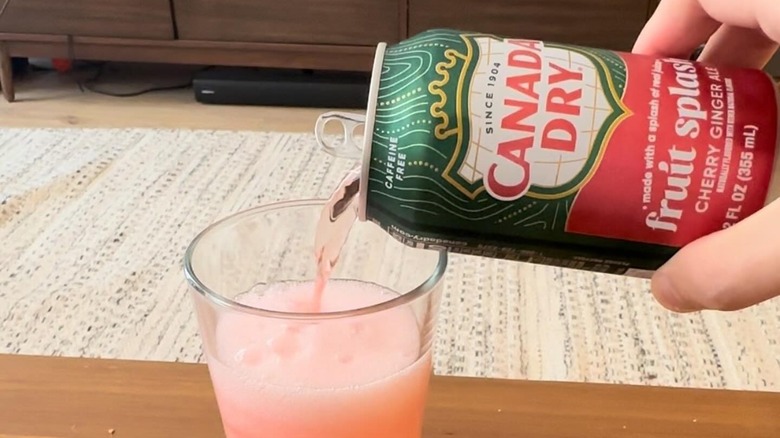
[{"x": 94, "y": 223}]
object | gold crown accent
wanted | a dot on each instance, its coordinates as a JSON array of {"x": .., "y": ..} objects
[{"x": 443, "y": 129}]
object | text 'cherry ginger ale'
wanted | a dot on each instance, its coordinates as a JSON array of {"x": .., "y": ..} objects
[{"x": 557, "y": 154}]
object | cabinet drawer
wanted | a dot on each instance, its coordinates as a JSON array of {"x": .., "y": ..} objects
[
  {"x": 351, "y": 22},
  {"x": 609, "y": 24},
  {"x": 146, "y": 19}
]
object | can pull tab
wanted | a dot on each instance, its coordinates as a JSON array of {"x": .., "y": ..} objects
[{"x": 346, "y": 147}]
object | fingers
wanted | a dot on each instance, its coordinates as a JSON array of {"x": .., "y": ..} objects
[
  {"x": 676, "y": 29},
  {"x": 732, "y": 46},
  {"x": 746, "y": 39},
  {"x": 740, "y": 13},
  {"x": 738, "y": 267},
  {"x": 728, "y": 270},
  {"x": 768, "y": 17}
]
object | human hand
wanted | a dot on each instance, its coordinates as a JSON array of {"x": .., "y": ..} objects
[
  {"x": 737, "y": 33},
  {"x": 740, "y": 266}
]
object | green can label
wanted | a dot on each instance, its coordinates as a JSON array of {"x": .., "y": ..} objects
[{"x": 563, "y": 155}]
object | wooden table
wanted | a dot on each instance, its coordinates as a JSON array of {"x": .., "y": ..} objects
[{"x": 43, "y": 397}]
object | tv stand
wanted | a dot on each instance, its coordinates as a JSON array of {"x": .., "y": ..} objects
[{"x": 335, "y": 35}]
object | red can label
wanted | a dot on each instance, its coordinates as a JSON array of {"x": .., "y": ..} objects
[
  {"x": 531, "y": 150},
  {"x": 695, "y": 156}
]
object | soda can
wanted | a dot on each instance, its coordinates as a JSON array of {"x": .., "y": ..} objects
[{"x": 557, "y": 154}]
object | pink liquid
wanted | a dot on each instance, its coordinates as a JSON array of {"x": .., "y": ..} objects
[
  {"x": 358, "y": 377},
  {"x": 336, "y": 219}
]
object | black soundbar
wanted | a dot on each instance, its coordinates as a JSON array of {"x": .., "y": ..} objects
[{"x": 282, "y": 87}]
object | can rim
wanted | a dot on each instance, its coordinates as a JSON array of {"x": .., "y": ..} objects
[{"x": 368, "y": 128}]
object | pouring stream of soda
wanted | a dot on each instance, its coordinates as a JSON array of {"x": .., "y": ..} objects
[{"x": 336, "y": 219}]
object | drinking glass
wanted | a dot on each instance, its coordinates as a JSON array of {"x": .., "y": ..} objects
[{"x": 359, "y": 367}]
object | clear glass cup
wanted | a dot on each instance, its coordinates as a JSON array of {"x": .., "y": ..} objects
[{"x": 360, "y": 368}]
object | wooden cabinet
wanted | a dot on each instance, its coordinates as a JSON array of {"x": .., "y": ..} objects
[
  {"x": 307, "y": 34},
  {"x": 149, "y": 19},
  {"x": 610, "y": 24},
  {"x": 342, "y": 22}
]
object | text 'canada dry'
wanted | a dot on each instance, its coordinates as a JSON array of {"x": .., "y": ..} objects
[{"x": 561, "y": 155}]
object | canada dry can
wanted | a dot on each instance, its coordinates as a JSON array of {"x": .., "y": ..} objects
[{"x": 558, "y": 154}]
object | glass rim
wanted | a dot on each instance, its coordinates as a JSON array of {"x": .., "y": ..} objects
[{"x": 217, "y": 298}]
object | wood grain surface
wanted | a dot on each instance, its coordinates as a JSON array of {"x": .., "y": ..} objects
[
  {"x": 77, "y": 397},
  {"x": 313, "y": 56},
  {"x": 608, "y": 24},
  {"x": 6, "y": 73},
  {"x": 115, "y": 18},
  {"x": 354, "y": 22}
]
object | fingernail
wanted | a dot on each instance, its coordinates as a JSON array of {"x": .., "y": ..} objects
[{"x": 667, "y": 295}]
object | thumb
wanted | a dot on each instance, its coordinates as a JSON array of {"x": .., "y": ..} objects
[{"x": 728, "y": 270}]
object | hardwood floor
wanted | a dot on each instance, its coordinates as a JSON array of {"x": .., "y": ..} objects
[{"x": 49, "y": 99}]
